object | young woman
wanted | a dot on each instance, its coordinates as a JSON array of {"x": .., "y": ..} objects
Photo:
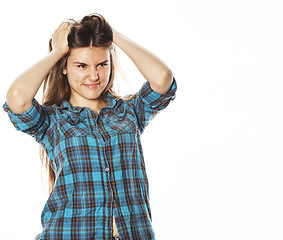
[{"x": 99, "y": 187}]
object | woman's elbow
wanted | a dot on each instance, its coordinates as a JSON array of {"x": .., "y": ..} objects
[
  {"x": 16, "y": 101},
  {"x": 168, "y": 77},
  {"x": 165, "y": 83}
]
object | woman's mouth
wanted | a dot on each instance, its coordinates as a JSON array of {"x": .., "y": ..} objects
[{"x": 93, "y": 85}]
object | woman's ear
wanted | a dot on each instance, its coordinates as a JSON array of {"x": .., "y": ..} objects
[{"x": 64, "y": 71}]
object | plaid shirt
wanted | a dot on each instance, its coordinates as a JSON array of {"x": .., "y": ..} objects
[{"x": 98, "y": 163}]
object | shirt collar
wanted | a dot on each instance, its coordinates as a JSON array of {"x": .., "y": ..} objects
[{"x": 65, "y": 105}]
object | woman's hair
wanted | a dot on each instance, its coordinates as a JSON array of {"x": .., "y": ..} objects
[{"x": 92, "y": 31}]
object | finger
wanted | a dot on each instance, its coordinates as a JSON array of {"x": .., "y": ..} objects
[
  {"x": 63, "y": 25},
  {"x": 70, "y": 24}
]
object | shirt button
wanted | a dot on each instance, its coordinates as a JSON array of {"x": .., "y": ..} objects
[{"x": 107, "y": 169}]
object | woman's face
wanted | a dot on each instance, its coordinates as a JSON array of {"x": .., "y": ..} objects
[{"x": 88, "y": 71}]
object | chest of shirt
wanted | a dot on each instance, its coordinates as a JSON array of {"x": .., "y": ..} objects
[
  {"x": 109, "y": 122},
  {"x": 85, "y": 136}
]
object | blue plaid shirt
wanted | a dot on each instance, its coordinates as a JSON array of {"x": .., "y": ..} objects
[{"x": 98, "y": 163}]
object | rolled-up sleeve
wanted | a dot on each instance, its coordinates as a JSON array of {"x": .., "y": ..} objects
[
  {"x": 147, "y": 103},
  {"x": 34, "y": 121}
]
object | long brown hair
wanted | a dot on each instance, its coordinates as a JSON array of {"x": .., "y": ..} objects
[{"x": 92, "y": 31}]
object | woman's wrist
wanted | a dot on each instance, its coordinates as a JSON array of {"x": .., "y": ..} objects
[
  {"x": 59, "y": 52},
  {"x": 115, "y": 33},
  {"x": 117, "y": 37}
]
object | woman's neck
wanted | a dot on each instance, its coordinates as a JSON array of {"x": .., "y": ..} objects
[{"x": 94, "y": 104}]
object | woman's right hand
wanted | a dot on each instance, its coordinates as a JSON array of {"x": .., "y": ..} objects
[{"x": 59, "y": 38}]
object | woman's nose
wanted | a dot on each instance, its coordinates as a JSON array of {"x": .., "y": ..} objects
[{"x": 93, "y": 74}]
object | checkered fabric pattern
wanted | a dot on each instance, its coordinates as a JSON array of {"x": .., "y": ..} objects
[{"x": 98, "y": 163}]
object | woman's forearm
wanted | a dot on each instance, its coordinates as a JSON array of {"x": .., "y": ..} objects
[
  {"x": 25, "y": 87},
  {"x": 155, "y": 71}
]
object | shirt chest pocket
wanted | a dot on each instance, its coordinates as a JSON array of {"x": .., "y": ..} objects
[
  {"x": 69, "y": 129},
  {"x": 121, "y": 120}
]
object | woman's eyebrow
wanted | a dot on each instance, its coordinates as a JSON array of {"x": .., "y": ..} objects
[
  {"x": 105, "y": 61},
  {"x": 79, "y": 63}
]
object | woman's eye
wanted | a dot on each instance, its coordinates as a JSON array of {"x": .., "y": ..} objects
[
  {"x": 103, "y": 64},
  {"x": 81, "y": 66}
]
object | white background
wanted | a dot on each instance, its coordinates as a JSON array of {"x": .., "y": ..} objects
[{"x": 214, "y": 156}]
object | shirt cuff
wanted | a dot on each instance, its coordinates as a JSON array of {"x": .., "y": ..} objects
[
  {"x": 156, "y": 100},
  {"x": 25, "y": 120}
]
